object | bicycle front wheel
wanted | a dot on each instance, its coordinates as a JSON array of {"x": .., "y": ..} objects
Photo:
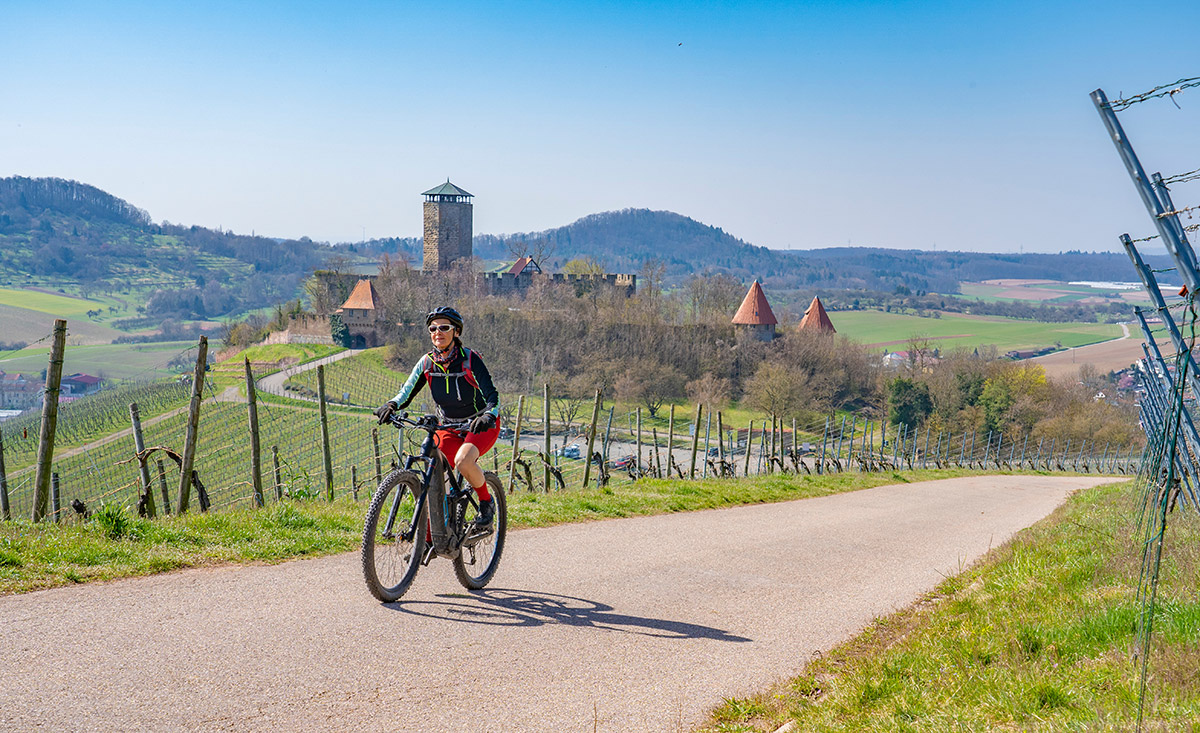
[
  {"x": 480, "y": 556},
  {"x": 392, "y": 539}
]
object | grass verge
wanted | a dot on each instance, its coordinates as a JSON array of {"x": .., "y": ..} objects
[
  {"x": 113, "y": 544},
  {"x": 1037, "y": 636}
]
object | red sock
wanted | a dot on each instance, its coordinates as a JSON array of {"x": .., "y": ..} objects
[{"x": 484, "y": 494}]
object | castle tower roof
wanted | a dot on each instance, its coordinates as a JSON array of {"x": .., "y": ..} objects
[
  {"x": 363, "y": 296},
  {"x": 755, "y": 311},
  {"x": 447, "y": 189},
  {"x": 816, "y": 319}
]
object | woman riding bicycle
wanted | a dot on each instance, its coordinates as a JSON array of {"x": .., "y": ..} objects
[{"x": 462, "y": 389}]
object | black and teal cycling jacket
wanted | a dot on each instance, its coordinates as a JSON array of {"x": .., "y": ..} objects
[{"x": 461, "y": 388}]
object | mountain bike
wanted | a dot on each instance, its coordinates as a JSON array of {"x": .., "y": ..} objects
[{"x": 426, "y": 510}]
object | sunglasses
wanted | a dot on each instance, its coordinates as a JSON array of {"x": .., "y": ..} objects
[{"x": 443, "y": 327}]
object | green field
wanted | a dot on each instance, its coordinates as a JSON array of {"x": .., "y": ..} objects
[
  {"x": 60, "y": 306},
  {"x": 112, "y": 361},
  {"x": 955, "y": 331}
]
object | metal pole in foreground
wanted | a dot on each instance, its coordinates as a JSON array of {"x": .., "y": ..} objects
[
  {"x": 193, "y": 428},
  {"x": 49, "y": 428},
  {"x": 326, "y": 451},
  {"x": 824, "y": 439}
]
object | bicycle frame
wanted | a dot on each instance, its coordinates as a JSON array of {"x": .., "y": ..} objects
[{"x": 445, "y": 530}]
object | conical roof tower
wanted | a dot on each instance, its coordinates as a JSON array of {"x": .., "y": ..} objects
[
  {"x": 816, "y": 319},
  {"x": 755, "y": 314}
]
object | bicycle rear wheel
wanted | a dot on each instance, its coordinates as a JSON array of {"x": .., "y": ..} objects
[
  {"x": 392, "y": 545},
  {"x": 480, "y": 556}
]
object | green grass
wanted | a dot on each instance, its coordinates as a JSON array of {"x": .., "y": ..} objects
[
  {"x": 54, "y": 304},
  {"x": 44, "y": 555},
  {"x": 112, "y": 361},
  {"x": 1035, "y": 637},
  {"x": 953, "y": 331}
]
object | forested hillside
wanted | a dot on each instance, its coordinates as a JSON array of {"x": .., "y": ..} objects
[{"x": 66, "y": 233}]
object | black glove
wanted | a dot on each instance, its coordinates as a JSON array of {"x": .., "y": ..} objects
[
  {"x": 385, "y": 412},
  {"x": 483, "y": 423}
]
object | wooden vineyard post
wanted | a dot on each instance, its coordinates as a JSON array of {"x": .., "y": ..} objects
[
  {"x": 378, "y": 457},
  {"x": 255, "y": 447},
  {"x": 720, "y": 442},
  {"x": 193, "y": 428},
  {"x": 55, "y": 498},
  {"x": 139, "y": 445},
  {"x": 670, "y": 441},
  {"x": 326, "y": 456},
  {"x": 512, "y": 464},
  {"x": 656, "y": 458},
  {"x": 162, "y": 485},
  {"x": 546, "y": 433},
  {"x": 5, "y": 513},
  {"x": 639, "y": 440},
  {"x": 587, "y": 466},
  {"x": 45, "y": 455},
  {"x": 749, "y": 440},
  {"x": 278, "y": 473},
  {"x": 354, "y": 482},
  {"x": 695, "y": 439}
]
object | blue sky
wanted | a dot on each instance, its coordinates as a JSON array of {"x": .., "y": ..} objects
[{"x": 792, "y": 125}]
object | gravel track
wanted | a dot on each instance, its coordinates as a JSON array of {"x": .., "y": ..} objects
[{"x": 638, "y": 624}]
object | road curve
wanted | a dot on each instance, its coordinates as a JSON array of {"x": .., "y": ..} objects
[{"x": 638, "y": 624}]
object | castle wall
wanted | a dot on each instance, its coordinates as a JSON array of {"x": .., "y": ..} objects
[{"x": 447, "y": 234}]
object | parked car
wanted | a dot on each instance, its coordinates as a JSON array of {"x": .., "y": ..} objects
[
  {"x": 623, "y": 462},
  {"x": 570, "y": 451},
  {"x": 506, "y": 433}
]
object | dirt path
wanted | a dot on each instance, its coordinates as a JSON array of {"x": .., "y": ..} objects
[{"x": 628, "y": 625}]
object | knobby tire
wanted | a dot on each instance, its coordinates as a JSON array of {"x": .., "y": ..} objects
[
  {"x": 476, "y": 564},
  {"x": 390, "y": 560}
]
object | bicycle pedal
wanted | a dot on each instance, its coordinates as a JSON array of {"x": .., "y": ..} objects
[{"x": 430, "y": 553}]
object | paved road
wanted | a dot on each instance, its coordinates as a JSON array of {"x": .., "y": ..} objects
[{"x": 629, "y": 625}]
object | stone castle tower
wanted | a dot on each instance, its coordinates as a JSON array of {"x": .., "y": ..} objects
[{"x": 447, "y": 235}]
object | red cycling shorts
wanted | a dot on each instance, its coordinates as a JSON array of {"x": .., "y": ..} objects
[{"x": 449, "y": 441}]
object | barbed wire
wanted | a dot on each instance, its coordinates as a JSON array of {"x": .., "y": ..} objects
[
  {"x": 1182, "y": 177},
  {"x": 1164, "y": 90},
  {"x": 1176, "y": 212},
  {"x": 27, "y": 346}
]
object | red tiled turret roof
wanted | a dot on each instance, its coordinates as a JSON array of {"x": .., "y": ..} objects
[
  {"x": 755, "y": 311},
  {"x": 363, "y": 296},
  {"x": 816, "y": 319}
]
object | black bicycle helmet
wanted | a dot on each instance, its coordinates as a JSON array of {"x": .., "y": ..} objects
[{"x": 447, "y": 313}]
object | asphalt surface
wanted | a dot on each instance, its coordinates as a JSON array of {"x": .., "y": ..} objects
[{"x": 629, "y": 625}]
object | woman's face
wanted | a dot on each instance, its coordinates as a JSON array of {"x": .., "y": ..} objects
[{"x": 439, "y": 334}]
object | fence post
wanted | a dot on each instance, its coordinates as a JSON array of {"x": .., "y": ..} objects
[
  {"x": 658, "y": 472},
  {"x": 55, "y": 497},
  {"x": 377, "y": 456},
  {"x": 824, "y": 438},
  {"x": 278, "y": 473},
  {"x": 162, "y": 485},
  {"x": 587, "y": 466},
  {"x": 695, "y": 441},
  {"x": 512, "y": 463},
  {"x": 670, "y": 440},
  {"x": 255, "y": 447},
  {"x": 45, "y": 456},
  {"x": 546, "y": 432},
  {"x": 354, "y": 481},
  {"x": 749, "y": 443},
  {"x": 639, "y": 440},
  {"x": 607, "y": 433},
  {"x": 139, "y": 445},
  {"x": 193, "y": 427},
  {"x": 326, "y": 452},
  {"x": 5, "y": 514}
]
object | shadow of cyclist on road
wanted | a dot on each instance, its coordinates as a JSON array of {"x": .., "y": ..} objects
[{"x": 509, "y": 607}]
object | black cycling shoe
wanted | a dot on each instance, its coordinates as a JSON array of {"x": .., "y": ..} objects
[{"x": 487, "y": 512}]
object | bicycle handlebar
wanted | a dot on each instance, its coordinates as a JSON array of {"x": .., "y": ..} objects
[{"x": 429, "y": 423}]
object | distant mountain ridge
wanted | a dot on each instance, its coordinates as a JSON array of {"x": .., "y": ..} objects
[{"x": 66, "y": 229}]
